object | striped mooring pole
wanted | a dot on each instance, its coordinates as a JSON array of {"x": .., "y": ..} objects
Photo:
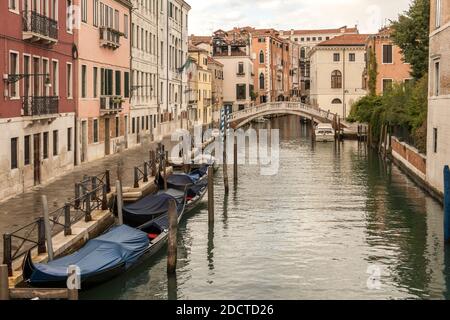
[{"x": 447, "y": 204}]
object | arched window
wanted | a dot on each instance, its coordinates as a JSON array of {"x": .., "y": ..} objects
[
  {"x": 261, "y": 57},
  {"x": 336, "y": 101},
  {"x": 262, "y": 81},
  {"x": 336, "y": 80}
]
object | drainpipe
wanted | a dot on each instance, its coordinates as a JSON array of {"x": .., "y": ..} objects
[
  {"x": 158, "y": 14},
  {"x": 343, "y": 87}
]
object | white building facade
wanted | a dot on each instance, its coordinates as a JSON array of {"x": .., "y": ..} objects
[
  {"x": 337, "y": 68},
  {"x": 438, "y": 140},
  {"x": 144, "y": 71}
]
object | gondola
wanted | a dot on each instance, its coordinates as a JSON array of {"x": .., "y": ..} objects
[
  {"x": 149, "y": 208},
  {"x": 105, "y": 257}
]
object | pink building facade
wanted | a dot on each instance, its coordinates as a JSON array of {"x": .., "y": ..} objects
[
  {"x": 103, "y": 78},
  {"x": 37, "y": 110}
]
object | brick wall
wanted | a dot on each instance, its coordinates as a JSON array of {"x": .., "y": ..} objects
[{"x": 410, "y": 155}]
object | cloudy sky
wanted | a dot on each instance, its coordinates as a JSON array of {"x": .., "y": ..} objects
[{"x": 207, "y": 16}]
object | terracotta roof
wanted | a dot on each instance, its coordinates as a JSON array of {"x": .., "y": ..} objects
[
  {"x": 346, "y": 40},
  {"x": 342, "y": 30},
  {"x": 192, "y": 48},
  {"x": 212, "y": 60},
  {"x": 195, "y": 40}
]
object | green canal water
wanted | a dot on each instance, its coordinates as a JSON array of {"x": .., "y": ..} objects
[{"x": 335, "y": 223}]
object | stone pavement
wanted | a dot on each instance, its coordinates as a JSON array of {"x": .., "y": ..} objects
[{"x": 24, "y": 208}]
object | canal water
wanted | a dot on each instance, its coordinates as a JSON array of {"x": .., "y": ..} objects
[{"x": 335, "y": 223}]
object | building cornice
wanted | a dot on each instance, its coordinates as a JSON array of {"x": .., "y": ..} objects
[{"x": 126, "y": 3}]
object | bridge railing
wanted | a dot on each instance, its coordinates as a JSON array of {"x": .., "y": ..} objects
[{"x": 314, "y": 111}]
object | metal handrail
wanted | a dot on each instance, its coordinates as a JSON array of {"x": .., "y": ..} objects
[{"x": 90, "y": 194}]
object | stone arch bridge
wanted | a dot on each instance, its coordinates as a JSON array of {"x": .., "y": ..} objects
[{"x": 239, "y": 119}]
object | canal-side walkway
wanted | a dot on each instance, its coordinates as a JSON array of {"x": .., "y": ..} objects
[{"x": 24, "y": 208}]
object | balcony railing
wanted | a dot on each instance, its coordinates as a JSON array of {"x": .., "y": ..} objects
[
  {"x": 38, "y": 27},
  {"x": 110, "y": 37},
  {"x": 110, "y": 104},
  {"x": 40, "y": 106}
]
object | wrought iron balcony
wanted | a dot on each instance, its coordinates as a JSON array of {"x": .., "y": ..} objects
[
  {"x": 39, "y": 28},
  {"x": 37, "y": 106},
  {"x": 110, "y": 37},
  {"x": 110, "y": 104}
]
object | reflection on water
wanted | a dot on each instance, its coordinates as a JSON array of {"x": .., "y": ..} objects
[{"x": 333, "y": 213}]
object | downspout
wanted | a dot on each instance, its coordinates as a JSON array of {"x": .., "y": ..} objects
[
  {"x": 168, "y": 55},
  {"x": 343, "y": 87},
  {"x": 158, "y": 14}
]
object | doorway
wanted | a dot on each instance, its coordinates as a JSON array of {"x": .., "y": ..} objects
[
  {"x": 83, "y": 141},
  {"x": 37, "y": 158},
  {"x": 107, "y": 137}
]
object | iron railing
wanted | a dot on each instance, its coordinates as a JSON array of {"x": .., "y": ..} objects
[
  {"x": 40, "y": 24},
  {"x": 90, "y": 194},
  {"x": 111, "y": 103},
  {"x": 40, "y": 106},
  {"x": 110, "y": 37}
]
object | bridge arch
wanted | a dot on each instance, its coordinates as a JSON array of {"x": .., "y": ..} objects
[{"x": 241, "y": 118}]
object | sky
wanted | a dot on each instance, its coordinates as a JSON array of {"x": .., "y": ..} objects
[{"x": 208, "y": 16}]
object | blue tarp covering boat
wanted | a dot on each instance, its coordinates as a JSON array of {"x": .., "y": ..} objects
[
  {"x": 100, "y": 259},
  {"x": 148, "y": 208}
]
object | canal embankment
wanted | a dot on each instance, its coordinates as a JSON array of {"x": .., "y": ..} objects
[{"x": 412, "y": 163}]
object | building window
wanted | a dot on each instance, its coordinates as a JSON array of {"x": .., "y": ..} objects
[
  {"x": 14, "y": 152},
  {"x": 262, "y": 81},
  {"x": 387, "y": 54},
  {"x": 69, "y": 81},
  {"x": 127, "y": 84},
  {"x": 55, "y": 142},
  {"x": 55, "y": 79},
  {"x": 336, "y": 57},
  {"x": 133, "y": 125},
  {"x": 95, "y": 14},
  {"x": 352, "y": 57},
  {"x": 118, "y": 83},
  {"x": 84, "y": 10},
  {"x": 387, "y": 85},
  {"x": 12, "y": 5},
  {"x": 241, "y": 93},
  {"x": 95, "y": 130},
  {"x": 14, "y": 69},
  {"x": 437, "y": 78},
  {"x": 261, "y": 57},
  {"x": 69, "y": 139},
  {"x": 95, "y": 82},
  {"x": 438, "y": 13},
  {"x": 27, "y": 151},
  {"x": 83, "y": 81},
  {"x": 125, "y": 26},
  {"x": 336, "y": 101},
  {"x": 45, "y": 146},
  {"x": 336, "y": 80},
  {"x": 117, "y": 126},
  {"x": 435, "y": 140},
  {"x": 241, "y": 68}
]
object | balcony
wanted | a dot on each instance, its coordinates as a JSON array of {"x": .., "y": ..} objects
[
  {"x": 39, "y": 28},
  {"x": 110, "y": 38},
  {"x": 110, "y": 105},
  {"x": 42, "y": 107},
  {"x": 240, "y": 74}
]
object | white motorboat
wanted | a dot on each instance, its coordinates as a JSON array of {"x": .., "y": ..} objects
[{"x": 325, "y": 133}]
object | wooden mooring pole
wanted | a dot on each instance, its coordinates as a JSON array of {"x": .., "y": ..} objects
[
  {"x": 119, "y": 202},
  {"x": 4, "y": 283},
  {"x": 225, "y": 163},
  {"x": 235, "y": 162},
  {"x": 48, "y": 230},
  {"x": 447, "y": 204},
  {"x": 211, "y": 194},
  {"x": 172, "y": 242}
]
